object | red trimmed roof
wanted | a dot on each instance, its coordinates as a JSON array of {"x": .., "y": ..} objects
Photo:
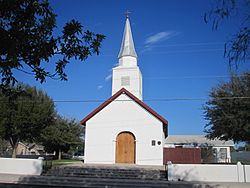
[{"x": 130, "y": 95}]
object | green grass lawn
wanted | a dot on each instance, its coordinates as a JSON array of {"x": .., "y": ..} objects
[
  {"x": 63, "y": 162},
  {"x": 50, "y": 163}
]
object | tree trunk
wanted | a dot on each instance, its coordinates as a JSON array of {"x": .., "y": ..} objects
[
  {"x": 14, "y": 152},
  {"x": 14, "y": 144},
  {"x": 59, "y": 154}
]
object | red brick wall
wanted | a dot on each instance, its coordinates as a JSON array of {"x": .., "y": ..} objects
[{"x": 182, "y": 155}]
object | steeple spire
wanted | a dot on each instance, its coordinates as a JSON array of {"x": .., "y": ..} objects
[
  {"x": 127, "y": 46},
  {"x": 127, "y": 74}
]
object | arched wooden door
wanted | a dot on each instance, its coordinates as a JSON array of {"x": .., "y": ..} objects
[{"x": 125, "y": 148}]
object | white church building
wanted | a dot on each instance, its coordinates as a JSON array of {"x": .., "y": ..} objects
[{"x": 124, "y": 129}]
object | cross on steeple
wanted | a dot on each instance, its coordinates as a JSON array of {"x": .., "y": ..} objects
[{"x": 127, "y": 13}]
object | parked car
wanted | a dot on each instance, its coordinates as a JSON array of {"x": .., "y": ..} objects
[{"x": 78, "y": 156}]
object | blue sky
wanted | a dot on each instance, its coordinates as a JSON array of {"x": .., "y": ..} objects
[{"x": 178, "y": 54}]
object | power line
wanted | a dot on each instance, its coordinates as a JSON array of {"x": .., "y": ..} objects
[
  {"x": 146, "y": 100},
  {"x": 149, "y": 52},
  {"x": 175, "y": 45},
  {"x": 187, "y": 77},
  {"x": 189, "y": 44},
  {"x": 154, "y": 100},
  {"x": 186, "y": 51}
]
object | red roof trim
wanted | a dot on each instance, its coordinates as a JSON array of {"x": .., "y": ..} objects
[{"x": 130, "y": 95}]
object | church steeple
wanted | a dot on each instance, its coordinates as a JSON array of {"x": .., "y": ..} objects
[
  {"x": 127, "y": 46},
  {"x": 127, "y": 74},
  {"x": 127, "y": 56}
]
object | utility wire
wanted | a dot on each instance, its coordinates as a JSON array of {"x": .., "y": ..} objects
[
  {"x": 182, "y": 77},
  {"x": 152, "y": 100},
  {"x": 191, "y": 77},
  {"x": 184, "y": 51},
  {"x": 146, "y": 100},
  {"x": 186, "y": 77},
  {"x": 174, "y": 45},
  {"x": 149, "y": 52}
]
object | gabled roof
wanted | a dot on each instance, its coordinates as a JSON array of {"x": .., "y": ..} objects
[{"x": 130, "y": 95}]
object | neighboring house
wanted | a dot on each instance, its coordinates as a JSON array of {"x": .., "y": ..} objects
[
  {"x": 36, "y": 149},
  {"x": 220, "y": 150},
  {"x": 129, "y": 130},
  {"x": 30, "y": 149},
  {"x": 22, "y": 149}
]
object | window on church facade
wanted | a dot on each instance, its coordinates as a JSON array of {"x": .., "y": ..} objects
[
  {"x": 153, "y": 142},
  {"x": 125, "y": 81}
]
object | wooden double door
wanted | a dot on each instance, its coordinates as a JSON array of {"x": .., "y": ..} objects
[{"x": 125, "y": 148}]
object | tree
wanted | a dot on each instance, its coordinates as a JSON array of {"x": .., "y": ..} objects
[
  {"x": 24, "y": 113},
  {"x": 207, "y": 154},
  {"x": 237, "y": 49},
  {"x": 61, "y": 136},
  {"x": 27, "y": 41},
  {"x": 3, "y": 147},
  {"x": 228, "y": 110}
]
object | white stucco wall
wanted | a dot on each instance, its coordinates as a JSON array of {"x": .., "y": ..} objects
[
  {"x": 119, "y": 116},
  {"x": 135, "y": 79},
  {"x": 21, "y": 166},
  {"x": 247, "y": 173},
  {"x": 209, "y": 172},
  {"x": 128, "y": 61}
]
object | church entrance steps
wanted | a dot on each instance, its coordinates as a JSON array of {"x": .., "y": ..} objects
[
  {"x": 129, "y": 172},
  {"x": 76, "y": 182},
  {"x": 22, "y": 181},
  {"x": 117, "y": 165}
]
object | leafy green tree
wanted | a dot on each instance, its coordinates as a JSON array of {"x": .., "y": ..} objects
[
  {"x": 237, "y": 49},
  {"x": 24, "y": 113},
  {"x": 3, "y": 147},
  {"x": 228, "y": 110},
  {"x": 62, "y": 136},
  {"x": 207, "y": 154},
  {"x": 28, "y": 41}
]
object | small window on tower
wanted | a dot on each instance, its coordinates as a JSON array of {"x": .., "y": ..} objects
[{"x": 125, "y": 81}]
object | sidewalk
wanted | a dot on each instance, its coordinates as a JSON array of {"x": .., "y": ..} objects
[{"x": 11, "y": 178}]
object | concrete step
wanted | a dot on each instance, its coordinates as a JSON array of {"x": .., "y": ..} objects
[
  {"x": 56, "y": 181},
  {"x": 112, "y": 173}
]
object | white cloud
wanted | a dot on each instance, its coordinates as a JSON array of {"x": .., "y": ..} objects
[
  {"x": 158, "y": 37},
  {"x": 99, "y": 87},
  {"x": 108, "y": 77}
]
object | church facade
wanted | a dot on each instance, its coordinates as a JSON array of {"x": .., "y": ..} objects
[{"x": 124, "y": 129}]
